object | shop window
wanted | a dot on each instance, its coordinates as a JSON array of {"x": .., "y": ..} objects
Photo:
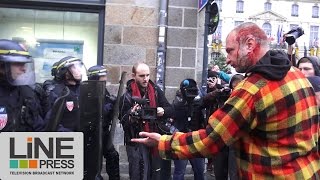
[{"x": 51, "y": 35}]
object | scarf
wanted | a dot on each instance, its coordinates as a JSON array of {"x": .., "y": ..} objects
[{"x": 150, "y": 92}]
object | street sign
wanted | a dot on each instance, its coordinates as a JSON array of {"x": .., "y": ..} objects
[{"x": 201, "y": 4}]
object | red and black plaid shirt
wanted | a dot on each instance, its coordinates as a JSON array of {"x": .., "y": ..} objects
[{"x": 273, "y": 126}]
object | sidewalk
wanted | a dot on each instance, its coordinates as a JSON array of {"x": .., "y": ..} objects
[{"x": 124, "y": 175}]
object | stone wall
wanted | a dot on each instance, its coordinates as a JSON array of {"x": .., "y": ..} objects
[
  {"x": 184, "y": 44},
  {"x": 131, "y": 33}
]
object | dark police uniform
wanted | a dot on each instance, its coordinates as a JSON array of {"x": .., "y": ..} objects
[
  {"x": 109, "y": 152},
  {"x": 19, "y": 106},
  {"x": 70, "y": 117}
]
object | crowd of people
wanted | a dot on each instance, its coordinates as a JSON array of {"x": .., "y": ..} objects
[
  {"x": 270, "y": 119},
  {"x": 261, "y": 123}
]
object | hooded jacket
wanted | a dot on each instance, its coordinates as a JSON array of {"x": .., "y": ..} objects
[
  {"x": 314, "y": 62},
  {"x": 274, "y": 65},
  {"x": 271, "y": 119}
]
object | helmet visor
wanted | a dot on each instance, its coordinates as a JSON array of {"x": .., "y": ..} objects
[
  {"x": 20, "y": 73},
  {"x": 77, "y": 69}
]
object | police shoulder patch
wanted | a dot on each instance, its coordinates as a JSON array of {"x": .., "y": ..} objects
[{"x": 3, "y": 117}]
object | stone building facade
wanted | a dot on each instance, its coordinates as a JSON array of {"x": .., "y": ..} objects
[
  {"x": 131, "y": 35},
  {"x": 131, "y": 32}
]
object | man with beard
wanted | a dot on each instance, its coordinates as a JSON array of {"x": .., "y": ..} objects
[
  {"x": 270, "y": 118},
  {"x": 136, "y": 116}
]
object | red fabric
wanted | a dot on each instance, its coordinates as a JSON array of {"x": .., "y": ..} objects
[{"x": 151, "y": 96}]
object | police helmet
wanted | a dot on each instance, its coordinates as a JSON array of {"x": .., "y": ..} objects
[
  {"x": 11, "y": 51},
  {"x": 95, "y": 72},
  {"x": 16, "y": 64},
  {"x": 70, "y": 64},
  {"x": 54, "y": 69}
]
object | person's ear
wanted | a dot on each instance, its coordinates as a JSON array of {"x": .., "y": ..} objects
[
  {"x": 251, "y": 43},
  {"x": 133, "y": 75}
]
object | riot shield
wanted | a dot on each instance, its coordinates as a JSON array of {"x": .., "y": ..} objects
[
  {"x": 92, "y": 95},
  {"x": 116, "y": 110}
]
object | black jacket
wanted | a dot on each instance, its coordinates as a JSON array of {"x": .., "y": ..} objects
[
  {"x": 71, "y": 112},
  {"x": 19, "y": 109},
  {"x": 131, "y": 129},
  {"x": 188, "y": 115}
]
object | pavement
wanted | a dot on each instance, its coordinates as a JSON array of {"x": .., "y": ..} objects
[{"x": 124, "y": 175}]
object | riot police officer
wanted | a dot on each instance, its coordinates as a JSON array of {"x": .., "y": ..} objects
[
  {"x": 43, "y": 90},
  {"x": 109, "y": 152},
  {"x": 69, "y": 75},
  {"x": 19, "y": 106}
]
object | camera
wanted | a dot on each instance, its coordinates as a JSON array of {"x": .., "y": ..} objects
[
  {"x": 145, "y": 112},
  {"x": 224, "y": 92},
  {"x": 191, "y": 92},
  {"x": 293, "y": 34}
]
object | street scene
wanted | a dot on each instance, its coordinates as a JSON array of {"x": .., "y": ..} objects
[{"x": 159, "y": 89}]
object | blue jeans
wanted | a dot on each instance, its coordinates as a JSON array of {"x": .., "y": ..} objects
[{"x": 197, "y": 167}]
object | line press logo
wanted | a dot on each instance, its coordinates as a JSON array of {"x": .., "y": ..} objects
[{"x": 49, "y": 155}]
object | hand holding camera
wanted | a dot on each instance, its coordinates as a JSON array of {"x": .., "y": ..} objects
[
  {"x": 142, "y": 111},
  {"x": 212, "y": 81},
  {"x": 291, "y": 36},
  {"x": 160, "y": 111}
]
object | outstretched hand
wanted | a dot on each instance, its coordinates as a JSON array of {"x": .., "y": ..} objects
[{"x": 149, "y": 139}]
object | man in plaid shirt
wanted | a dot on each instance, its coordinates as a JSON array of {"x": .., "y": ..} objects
[{"x": 271, "y": 117}]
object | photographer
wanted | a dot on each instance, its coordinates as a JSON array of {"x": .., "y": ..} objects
[
  {"x": 215, "y": 98},
  {"x": 144, "y": 163},
  {"x": 188, "y": 117},
  {"x": 308, "y": 65}
]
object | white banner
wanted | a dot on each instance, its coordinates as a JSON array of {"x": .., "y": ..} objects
[{"x": 41, "y": 155}]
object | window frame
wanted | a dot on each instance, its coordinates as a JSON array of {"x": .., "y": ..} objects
[
  {"x": 314, "y": 34},
  {"x": 239, "y": 6},
  {"x": 315, "y": 11},
  {"x": 236, "y": 23},
  {"x": 269, "y": 30},
  {"x": 267, "y": 6},
  {"x": 295, "y": 10}
]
